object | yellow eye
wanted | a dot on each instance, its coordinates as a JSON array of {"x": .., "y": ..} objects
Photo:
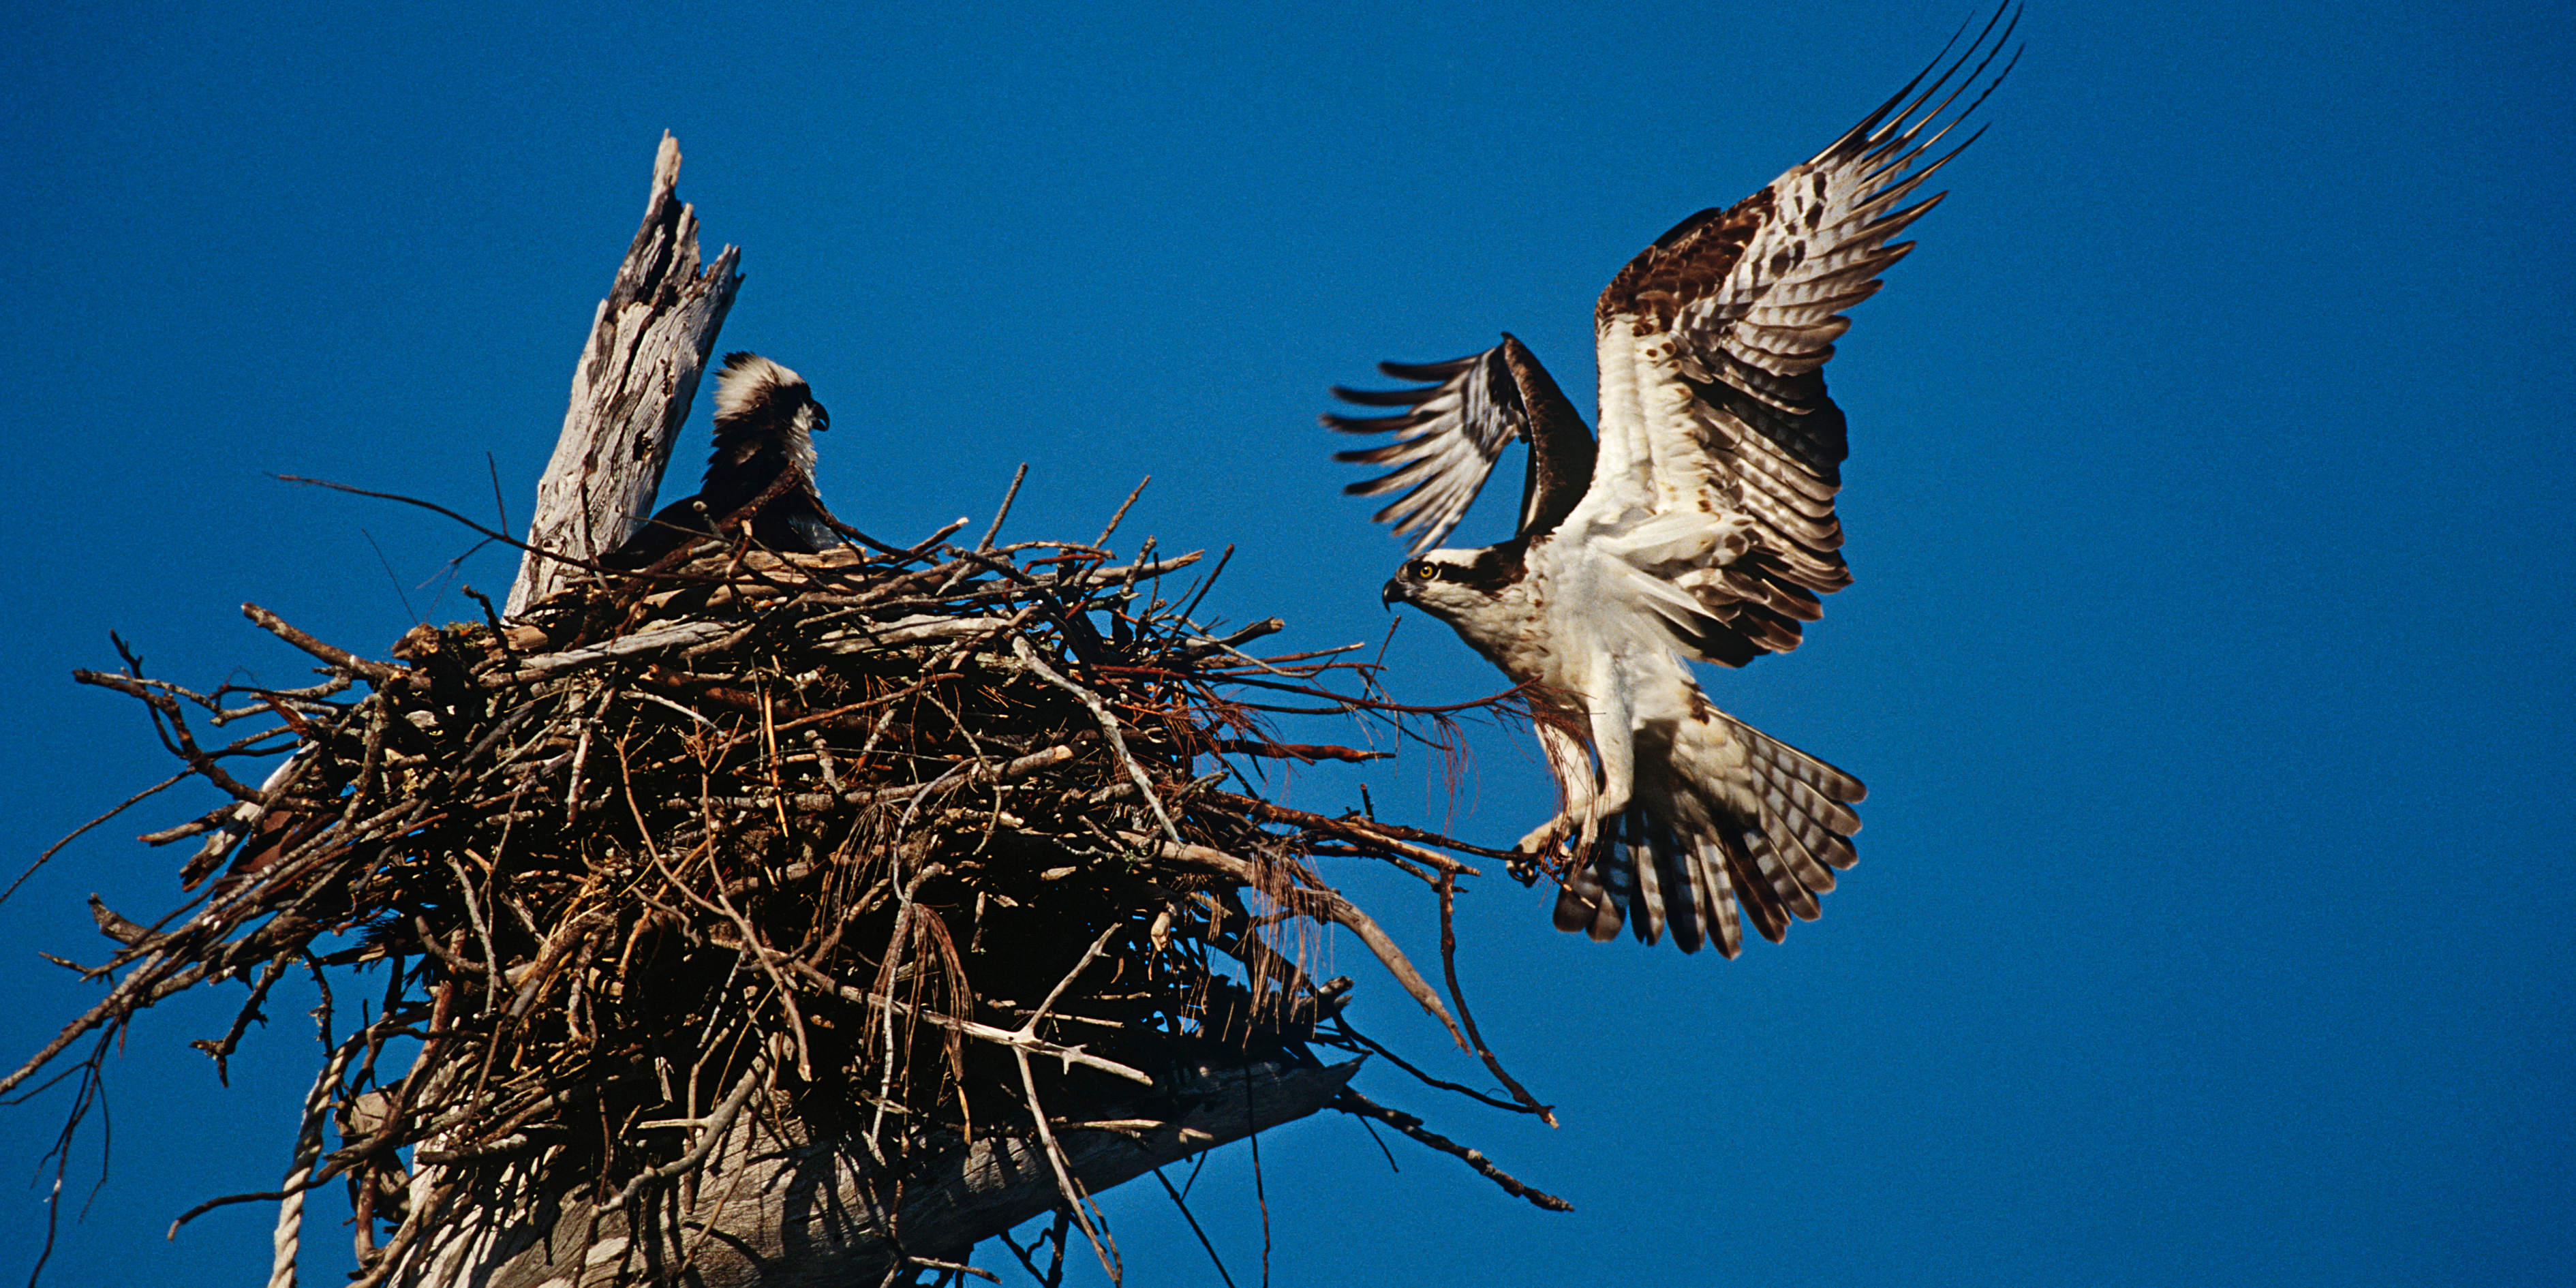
[{"x": 1424, "y": 570}]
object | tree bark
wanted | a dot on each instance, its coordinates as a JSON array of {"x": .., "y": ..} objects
[
  {"x": 632, "y": 390},
  {"x": 778, "y": 1209}
]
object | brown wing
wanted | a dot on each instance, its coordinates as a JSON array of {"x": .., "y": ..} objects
[
  {"x": 1712, "y": 345},
  {"x": 1451, "y": 432}
]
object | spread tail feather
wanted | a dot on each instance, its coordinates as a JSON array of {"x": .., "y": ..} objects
[{"x": 1729, "y": 824}]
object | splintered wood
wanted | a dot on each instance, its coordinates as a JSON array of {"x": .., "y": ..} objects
[
  {"x": 638, "y": 372},
  {"x": 944, "y": 866}
]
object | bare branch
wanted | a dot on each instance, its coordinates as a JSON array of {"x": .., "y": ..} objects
[{"x": 1352, "y": 1102}]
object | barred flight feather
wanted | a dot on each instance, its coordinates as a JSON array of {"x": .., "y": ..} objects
[{"x": 1699, "y": 525}]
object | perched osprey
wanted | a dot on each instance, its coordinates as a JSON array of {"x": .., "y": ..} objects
[
  {"x": 766, "y": 418},
  {"x": 1701, "y": 526}
]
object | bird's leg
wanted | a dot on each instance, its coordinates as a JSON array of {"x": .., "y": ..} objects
[
  {"x": 1545, "y": 836},
  {"x": 1613, "y": 739},
  {"x": 1571, "y": 762}
]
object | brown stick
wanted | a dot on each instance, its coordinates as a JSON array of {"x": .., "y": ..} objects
[
  {"x": 1325, "y": 902},
  {"x": 1449, "y": 969},
  {"x": 374, "y": 672},
  {"x": 1352, "y": 1102}
]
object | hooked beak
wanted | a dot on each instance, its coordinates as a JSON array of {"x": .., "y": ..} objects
[{"x": 1392, "y": 594}]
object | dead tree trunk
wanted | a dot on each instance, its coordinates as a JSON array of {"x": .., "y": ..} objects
[
  {"x": 779, "y": 1200},
  {"x": 631, "y": 392},
  {"x": 779, "y": 1208},
  {"x": 744, "y": 997}
]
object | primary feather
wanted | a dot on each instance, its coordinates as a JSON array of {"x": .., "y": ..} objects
[{"x": 1701, "y": 525}]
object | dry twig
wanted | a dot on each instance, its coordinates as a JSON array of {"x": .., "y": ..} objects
[{"x": 860, "y": 808}]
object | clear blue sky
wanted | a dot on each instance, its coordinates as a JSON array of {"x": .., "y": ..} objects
[{"x": 2210, "y": 503}]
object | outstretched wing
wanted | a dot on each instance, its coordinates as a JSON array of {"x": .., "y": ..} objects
[
  {"x": 1452, "y": 431},
  {"x": 1720, "y": 451}
]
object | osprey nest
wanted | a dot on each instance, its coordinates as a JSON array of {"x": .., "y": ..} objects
[{"x": 920, "y": 851}]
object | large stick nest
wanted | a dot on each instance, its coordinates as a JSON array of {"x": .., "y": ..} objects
[{"x": 925, "y": 843}]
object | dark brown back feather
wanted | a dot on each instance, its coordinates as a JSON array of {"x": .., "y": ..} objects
[{"x": 1561, "y": 450}]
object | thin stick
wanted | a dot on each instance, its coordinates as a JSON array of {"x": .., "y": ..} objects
[
  {"x": 1184, "y": 1205},
  {"x": 986, "y": 543},
  {"x": 76, "y": 833},
  {"x": 388, "y": 566},
  {"x": 1114, "y": 520},
  {"x": 1352, "y": 1102},
  {"x": 1063, "y": 1174},
  {"x": 374, "y": 672},
  {"x": 716, "y": 1124},
  {"x": 1108, "y": 725},
  {"x": 1210, "y": 584},
  {"x": 1330, "y": 905},
  {"x": 1346, "y": 1031},
  {"x": 1046, "y": 1135},
  {"x": 1021, "y": 1039},
  {"x": 760, "y": 954},
  {"x": 482, "y": 931},
  {"x": 1458, "y": 996},
  {"x": 435, "y": 508}
]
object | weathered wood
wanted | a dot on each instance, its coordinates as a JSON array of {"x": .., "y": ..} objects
[
  {"x": 632, "y": 390},
  {"x": 781, "y": 1211}
]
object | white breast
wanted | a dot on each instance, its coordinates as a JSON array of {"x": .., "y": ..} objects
[{"x": 1593, "y": 604}]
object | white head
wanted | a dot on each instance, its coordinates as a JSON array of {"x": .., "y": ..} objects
[
  {"x": 757, "y": 398},
  {"x": 1457, "y": 586}
]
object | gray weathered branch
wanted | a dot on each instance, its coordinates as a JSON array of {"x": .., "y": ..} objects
[
  {"x": 787, "y": 1212},
  {"x": 631, "y": 393}
]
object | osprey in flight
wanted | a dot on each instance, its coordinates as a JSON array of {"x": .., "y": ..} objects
[
  {"x": 1700, "y": 526},
  {"x": 766, "y": 419}
]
